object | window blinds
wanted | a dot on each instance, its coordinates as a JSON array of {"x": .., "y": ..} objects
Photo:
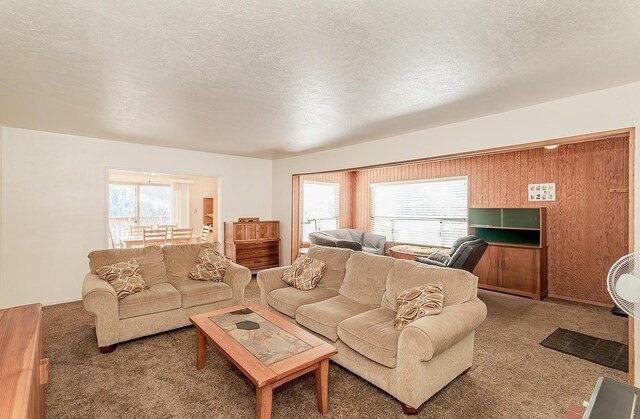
[
  {"x": 430, "y": 212},
  {"x": 320, "y": 207}
]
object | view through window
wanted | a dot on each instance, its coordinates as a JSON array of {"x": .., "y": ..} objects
[
  {"x": 133, "y": 204},
  {"x": 320, "y": 207},
  {"x": 429, "y": 212}
]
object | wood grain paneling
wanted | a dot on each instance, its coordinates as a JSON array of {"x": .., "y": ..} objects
[{"x": 588, "y": 224}]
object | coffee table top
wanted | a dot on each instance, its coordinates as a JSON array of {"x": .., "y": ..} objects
[{"x": 263, "y": 345}]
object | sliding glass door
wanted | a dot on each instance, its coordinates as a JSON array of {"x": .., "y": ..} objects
[{"x": 135, "y": 204}]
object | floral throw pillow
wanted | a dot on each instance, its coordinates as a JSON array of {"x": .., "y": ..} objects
[
  {"x": 210, "y": 265},
  {"x": 124, "y": 277},
  {"x": 417, "y": 302},
  {"x": 305, "y": 273}
]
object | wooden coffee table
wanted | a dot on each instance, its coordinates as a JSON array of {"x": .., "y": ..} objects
[{"x": 268, "y": 349}]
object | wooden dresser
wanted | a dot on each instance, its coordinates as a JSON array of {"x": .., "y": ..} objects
[
  {"x": 23, "y": 371},
  {"x": 255, "y": 245}
]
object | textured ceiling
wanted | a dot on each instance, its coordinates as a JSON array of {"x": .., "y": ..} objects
[{"x": 275, "y": 78}]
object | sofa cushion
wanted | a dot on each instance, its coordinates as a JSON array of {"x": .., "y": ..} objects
[
  {"x": 197, "y": 293},
  {"x": 459, "y": 286},
  {"x": 417, "y": 302},
  {"x": 336, "y": 261},
  {"x": 287, "y": 300},
  {"x": 372, "y": 335},
  {"x": 304, "y": 273},
  {"x": 156, "y": 298},
  {"x": 210, "y": 265},
  {"x": 150, "y": 259},
  {"x": 180, "y": 258},
  {"x": 323, "y": 317},
  {"x": 124, "y": 277},
  {"x": 365, "y": 278}
]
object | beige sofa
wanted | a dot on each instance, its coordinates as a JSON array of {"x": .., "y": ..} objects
[
  {"x": 168, "y": 302},
  {"x": 353, "y": 308}
]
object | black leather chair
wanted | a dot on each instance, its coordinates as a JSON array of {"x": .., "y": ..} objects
[{"x": 465, "y": 254}]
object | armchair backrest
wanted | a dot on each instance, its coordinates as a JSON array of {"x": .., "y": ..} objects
[{"x": 468, "y": 254}]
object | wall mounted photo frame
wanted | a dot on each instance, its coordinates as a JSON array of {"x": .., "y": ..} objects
[{"x": 542, "y": 192}]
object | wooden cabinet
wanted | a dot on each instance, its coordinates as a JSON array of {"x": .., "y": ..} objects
[
  {"x": 513, "y": 269},
  {"x": 516, "y": 259},
  {"x": 255, "y": 245},
  {"x": 23, "y": 370}
]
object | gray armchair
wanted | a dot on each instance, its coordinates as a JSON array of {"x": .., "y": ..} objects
[
  {"x": 465, "y": 254},
  {"x": 350, "y": 238}
]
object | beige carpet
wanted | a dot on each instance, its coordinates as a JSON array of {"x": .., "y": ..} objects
[{"x": 155, "y": 377}]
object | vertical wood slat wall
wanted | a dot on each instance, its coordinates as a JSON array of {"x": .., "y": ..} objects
[{"x": 588, "y": 224}]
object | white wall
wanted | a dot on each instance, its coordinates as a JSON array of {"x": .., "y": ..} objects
[
  {"x": 588, "y": 113},
  {"x": 54, "y": 203}
]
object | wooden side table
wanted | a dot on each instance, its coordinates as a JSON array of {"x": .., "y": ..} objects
[{"x": 574, "y": 412}]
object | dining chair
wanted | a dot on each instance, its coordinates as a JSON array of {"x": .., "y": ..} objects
[
  {"x": 204, "y": 234},
  {"x": 151, "y": 237},
  {"x": 136, "y": 230},
  {"x": 181, "y": 235},
  {"x": 111, "y": 242},
  {"x": 167, "y": 226}
]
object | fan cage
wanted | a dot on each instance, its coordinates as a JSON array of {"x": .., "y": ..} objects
[{"x": 625, "y": 265}]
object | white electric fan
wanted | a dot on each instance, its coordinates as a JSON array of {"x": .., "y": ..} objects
[{"x": 623, "y": 283}]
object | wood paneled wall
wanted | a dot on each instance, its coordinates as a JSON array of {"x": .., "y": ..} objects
[{"x": 588, "y": 224}]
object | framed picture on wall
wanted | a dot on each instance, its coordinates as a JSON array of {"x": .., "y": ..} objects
[{"x": 542, "y": 192}]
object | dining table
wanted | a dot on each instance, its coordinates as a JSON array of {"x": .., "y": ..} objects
[{"x": 138, "y": 241}]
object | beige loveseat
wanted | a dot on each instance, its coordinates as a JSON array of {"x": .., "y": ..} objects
[
  {"x": 354, "y": 307},
  {"x": 168, "y": 302}
]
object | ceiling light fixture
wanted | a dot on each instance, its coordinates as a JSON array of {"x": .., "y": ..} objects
[{"x": 551, "y": 147}]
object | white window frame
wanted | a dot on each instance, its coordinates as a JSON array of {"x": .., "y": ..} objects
[{"x": 464, "y": 219}]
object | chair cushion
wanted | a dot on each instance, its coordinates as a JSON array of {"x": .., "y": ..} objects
[
  {"x": 210, "y": 265},
  {"x": 150, "y": 259},
  {"x": 417, "y": 302},
  {"x": 336, "y": 261},
  {"x": 180, "y": 258},
  {"x": 370, "y": 250},
  {"x": 304, "y": 273},
  {"x": 323, "y": 317},
  {"x": 365, "y": 278},
  {"x": 287, "y": 300},
  {"x": 197, "y": 293},
  {"x": 124, "y": 277},
  {"x": 372, "y": 335},
  {"x": 459, "y": 286},
  {"x": 157, "y": 298}
]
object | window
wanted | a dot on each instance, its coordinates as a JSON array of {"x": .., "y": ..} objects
[
  {"x": 429, "y": 212},
  {"x": 320, "y": 207},
  {"x": 131, "y": 204}
]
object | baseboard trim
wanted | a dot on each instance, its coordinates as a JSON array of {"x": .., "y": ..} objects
[
  {"x": 68, "y": 300},
  {"x": 578, "y": 300}
]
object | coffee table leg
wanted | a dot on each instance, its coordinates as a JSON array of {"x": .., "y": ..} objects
[
  {"x": 201, "y": 349},
  {"x": 322, "y": 386},
  {"x": 264, "y": 396}
]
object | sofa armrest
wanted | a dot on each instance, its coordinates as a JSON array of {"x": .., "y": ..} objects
[
  {"x": 349, "y": 244},
  {"x": 269, "y": 280},
  {"x": 430, "y": 335},
  {"x": 100, "y": 299},
  {"x": 237, "y": 277}
]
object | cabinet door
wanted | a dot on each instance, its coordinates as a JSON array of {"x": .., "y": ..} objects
[
  {"x": 487, "y": 268},
  {"x": 273, "y": 230},
  {"x": 520, "y": 269},
  {"x": 248, "y": 231}
]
